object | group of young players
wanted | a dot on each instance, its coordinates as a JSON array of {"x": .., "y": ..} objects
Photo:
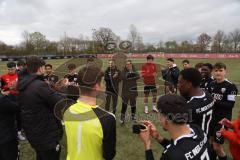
[
  {"x": 210, "y": 99},
  {"x": 206, "y": 103}
]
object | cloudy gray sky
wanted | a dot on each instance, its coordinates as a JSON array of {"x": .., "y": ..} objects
[{"x": 155, "y": 19}]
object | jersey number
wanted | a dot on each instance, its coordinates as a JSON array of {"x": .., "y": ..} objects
[
  {"x": 205, "y": 155},
  {"x": 205, "y": 126}
]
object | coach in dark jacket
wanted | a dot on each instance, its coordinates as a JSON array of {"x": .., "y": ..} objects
[
  {"x": 37, "y": 101},
  {"x": 8, "y": 128},
  {"x": 112, "y": 78},
  {"x": 129, "y": 90},
  {"x": 170, "y": 75}
]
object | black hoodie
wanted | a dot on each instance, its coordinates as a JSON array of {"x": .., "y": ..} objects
[
  {"x": 37, "y": 101},
  {"x": 170, "y": 75},
  {"x": 129, "y": 86}
]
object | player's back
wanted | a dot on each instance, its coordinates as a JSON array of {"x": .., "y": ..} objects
[
  {"x": 194, "y": 146},
  {"x": 89, "y": 131},
  {"x": 201, "y": 109}
]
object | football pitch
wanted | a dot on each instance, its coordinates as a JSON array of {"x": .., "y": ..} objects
[{"x": 129, "y": 146}]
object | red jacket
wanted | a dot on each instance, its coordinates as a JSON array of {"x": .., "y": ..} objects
[
  {"x": 234, "y": 139},
  {"x": 149, "y": 72},
  {"x": 6, "y": 82}
]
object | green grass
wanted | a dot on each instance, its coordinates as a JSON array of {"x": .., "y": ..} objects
[{"x": 129, "y": 146}]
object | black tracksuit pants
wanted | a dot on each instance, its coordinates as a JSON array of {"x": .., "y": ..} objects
[
  {"x": 125, "y": 101},
  {"x": 114, "y": 97}
]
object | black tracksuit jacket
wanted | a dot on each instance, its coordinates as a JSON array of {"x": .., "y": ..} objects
[{"x": 37, "y": 100}]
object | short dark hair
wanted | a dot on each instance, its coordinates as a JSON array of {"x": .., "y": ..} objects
[
  {"x": 150, "y": 57},
  {"x": 88, "y": 76},
  {"x": 220, "y": 65},
  {"x": 185, "y": 61},
  {"x": 48, "y": 65},
  {"x": 174, "y": 107},
  {"x": 209, "y": 65},
  {"x": 11, "y": 64},
  {"x": 34, "y": 63},
  {"x": 129, "y": 61},
  {"x": 192, "y": 75},
  {"x": 170, "y": 59},
  {"x": 21, "y": 63},
  {"x": 71, "y": 66},
  {"x": 198, "y": 65}
]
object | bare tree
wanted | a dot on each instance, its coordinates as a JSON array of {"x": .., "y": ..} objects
[
  {"x": 235, "y": 39},
  {"x": 203, "y": 41},
  {"x": 64, "y": 43},
  {"x": 26, "y": 44},
  {"x": 3, "y": 46},
  {"x": 133, "y": 35},
  {"x": 185, "y": 46},
  {"x": 227, "y": 44},
  {"x": 218, "y": 41},
  {"x": 25, "y": 36},
  {"x": 171, "y": 46},
  {"x": 139, "y": 43},
  {"x": 104, "y": 36},
  {"x": 52, "y": 47},
  {"x": 38, "y": 40},
  {"x": 149, "y": 47},
  {"x": 34, "y": 42}
]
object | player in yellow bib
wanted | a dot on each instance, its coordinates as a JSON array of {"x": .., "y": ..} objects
[{"x": 91, "y": 131}]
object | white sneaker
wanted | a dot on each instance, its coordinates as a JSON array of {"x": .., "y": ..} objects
[
  {"x": 122, "y": 121},
  {"x": 20, "y": 136},
  {"x": 155, "y": 109},
  {"x": 146, "y": 110}
]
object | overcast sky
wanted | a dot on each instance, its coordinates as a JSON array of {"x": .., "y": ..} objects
[{"x": 155, "y": 19}]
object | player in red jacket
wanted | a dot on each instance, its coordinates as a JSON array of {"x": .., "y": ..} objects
[
  {"x": 8, "y": 86},
  {"x": 232, "y": 136},
  {"x": 149, "y": 73},
  {"x": 9, "y": 80}
]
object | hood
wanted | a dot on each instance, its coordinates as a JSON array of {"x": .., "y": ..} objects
[
  {"x": 26, "y": 79},
  {"x": 126, "y": 70}
]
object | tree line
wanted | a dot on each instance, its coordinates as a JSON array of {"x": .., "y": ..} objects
[{"x": 37, "y": 43}]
